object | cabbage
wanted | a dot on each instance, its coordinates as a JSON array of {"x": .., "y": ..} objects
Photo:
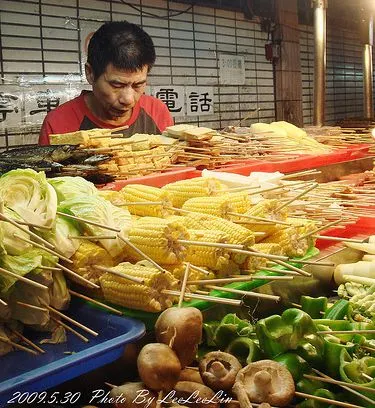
[
  {"x": 13, "y": 245},
  {"x": 96, "y": 209},
  {"x": 23, "y": 264},
  {"x": 58, "y": 236},
  {"x": 29, "y": 195},
  {"x": 71, "y": 187},
  {"x": 58, "y": 292}
]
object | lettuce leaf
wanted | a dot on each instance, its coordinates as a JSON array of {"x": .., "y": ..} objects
[
  {"x": 96, "y": 209},
  {"x": 72, "y": 187},
  {"x": 28, "y": 193}
]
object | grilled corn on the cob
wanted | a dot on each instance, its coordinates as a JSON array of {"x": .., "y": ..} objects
[
  {"x": 218, "y": 206},
  {"x": 255, "y": 263}
]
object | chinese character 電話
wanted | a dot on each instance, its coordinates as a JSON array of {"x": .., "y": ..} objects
[{"x": 169, "y": 96}]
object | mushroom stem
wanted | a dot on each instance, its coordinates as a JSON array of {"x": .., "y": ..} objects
[{"x": 218, "y": 370}]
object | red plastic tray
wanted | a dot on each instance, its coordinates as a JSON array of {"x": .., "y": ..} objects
[{"x": 154, "y": 180}]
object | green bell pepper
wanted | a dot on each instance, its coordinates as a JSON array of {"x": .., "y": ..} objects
[
  {"x": 293, "y": 330},
  {"x": 295, "y": 364},
  {"x": 358, "y": 371},
  {"x": 332, "y": 353},
  {"x": 209, "y": 330},
  {"x": 314, "y": 306},
  {"x": 338, "y": 310},
  {"x": 245, "y": 349}
]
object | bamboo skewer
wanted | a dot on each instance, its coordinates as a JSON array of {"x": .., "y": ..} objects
[
  {"x": 69, "y": 319},
  {"x": 27, "y": 341},
  {"x": 239, "y": 279},
  {"x": 17, "y": 346},
  {"x": 297, "y": 196},
  {"x": 282, "y": 271},
  {"x": 48, "y": 268},
  {"x": 52, "y": 252},
  {"x": 326, "y": 400},
  {"x": 141, "y": 253},
  {"x": 2, "y": 302},
  {"x": 197, "y": 268},
  {"x": 61, "y": 323},
  {"x": 321, "y": 228},
  {"x": 88, "y": 221},
  {"x": 340, "y": 239},
  {"x": 35, "y": 236},
  {"x": 41, "y": 309},
  {"x": 244, "y": 292},
  {"x": 23, "y": 279},
  {"x": 293, "y": 268},
  {"x": 112, "y": 309},
  {"x": 77, "y": 276},
  {"x": 183, "y": 286},
  {"x": 252, "y": 217},
  {"x": 370, "y": 331},
  {"x": 232, "y": 302},
  {"x": 93, "y": 237},
  {"x": 336, "y": 382},
  {"x": 120, "y": 274}
]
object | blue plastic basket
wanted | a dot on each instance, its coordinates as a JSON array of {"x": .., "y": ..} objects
[{"x": 23, "y": 372}]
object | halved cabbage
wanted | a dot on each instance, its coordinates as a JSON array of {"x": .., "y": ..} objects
[{"x": 68, "y": 187}]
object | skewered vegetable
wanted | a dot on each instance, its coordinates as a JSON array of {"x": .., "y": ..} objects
[
  {"x": 219, "y": 206},
  {"x": 145, "y": 296}
]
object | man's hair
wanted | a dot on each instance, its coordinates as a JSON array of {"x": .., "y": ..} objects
[{"x": 120, "y": 43}]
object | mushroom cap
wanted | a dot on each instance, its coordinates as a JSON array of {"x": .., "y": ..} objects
[
  {"x": 186, "y": 389},
  {"x": 266, "y": 381},
  {"x": 219, "y": 370}
]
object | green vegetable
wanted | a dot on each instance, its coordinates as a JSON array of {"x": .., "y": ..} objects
[
  {"x": 313, "y": 306},
  {"x": 94, "y": 208},
  {"x": 209, "y": 330},
  {"x": 293, "y": 330},
  {"x": 321, "y": 392},
  {"x": 338, "y": 310},
  {"x": 230, "y": 328},
  {"x": 245, "y": 349},
  {"x": 332, "y": 352},
  {"x": 349, "y": 289},
  {"x": 72, "y": 187},
  {"x": 29, "y": 195},
  {"x": 358, "y": 371},
  {"x": 295, "y": 364}
]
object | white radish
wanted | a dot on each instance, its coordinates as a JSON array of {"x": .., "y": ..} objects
[
  {"x": 365, "y": 247},
  {"x": 360, "y": 268},
  {"x": 368, "y": 258}
]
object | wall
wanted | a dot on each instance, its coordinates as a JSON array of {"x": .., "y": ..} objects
[
  {"x": 44, "y": 39},
  {"x": 344, "y": 86}
]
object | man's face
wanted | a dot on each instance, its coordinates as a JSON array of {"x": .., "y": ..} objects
[{"x": 116, "y": 91}]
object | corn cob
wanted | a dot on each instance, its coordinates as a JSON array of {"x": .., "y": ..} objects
[
  {"x": 218, "y": 206},
  {"x": 236, "y": 234},
  {"x": 110, "y": 195},
  {"x": 240, "y": 201},
  {"x": 290, "y": 242},
  {"x": 141, "y": 193},
  {"x": 146, "y": 296},
  {"x": 89, "y": 254},
  {"x": 304, "y": 226},
  {"x": 213, "y": 258},
  {"x": 264, "y": 209},
  {"x": 255, "y": 263},
  {"x": 182, "y": 190},
  {"x": 157, "y": 238}
]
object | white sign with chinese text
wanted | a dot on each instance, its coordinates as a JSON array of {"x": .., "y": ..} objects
[
  {"x": 173, "y": 96},
  {"x": 11, "y": 101},
  {"x": 199, "y": 100},
  {"x": 231, "y": 69}
]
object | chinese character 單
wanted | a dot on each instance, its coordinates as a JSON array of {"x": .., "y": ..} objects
[
  {"x": 7, "y": 105},
  {"x": 169, "y": 97},
  {"x": 199, "y": 102},
  {"x": 46, "y": 102}
]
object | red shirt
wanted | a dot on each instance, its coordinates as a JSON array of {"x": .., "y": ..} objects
[{"x": 150, "y": 115}]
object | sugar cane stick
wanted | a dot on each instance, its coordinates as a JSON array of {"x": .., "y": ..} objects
[
  {"x": 61, "y": 323},
  {"x": 297, "y": 196},
  {"x": 89, "y": 299},
  {"x": 23, "y": 279},
  {"x": 17, "y": 346},
  {"x": 73, "y": 217},
  {"x": 232, "y": 302},
  {"x": 326, "y": 400},
  {"x": 77, "y": 276},
  {"x": 183, "y": 286},
  {"x": 35, "y": 236},
  {"x": 27, "y": 341},
  {"x": 69, "y": 319},
  {"x": 237, "y": 279},
  {"x": 244, "y": 292},
  {"x": 336, "y": 382},
  {"x": 141, "y": 253},
  {"x": 120, "y": 274},
  {"x": 51, "y": 251}
]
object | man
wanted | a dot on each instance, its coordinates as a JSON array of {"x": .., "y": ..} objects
[{"x": 120, "y": 56}]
